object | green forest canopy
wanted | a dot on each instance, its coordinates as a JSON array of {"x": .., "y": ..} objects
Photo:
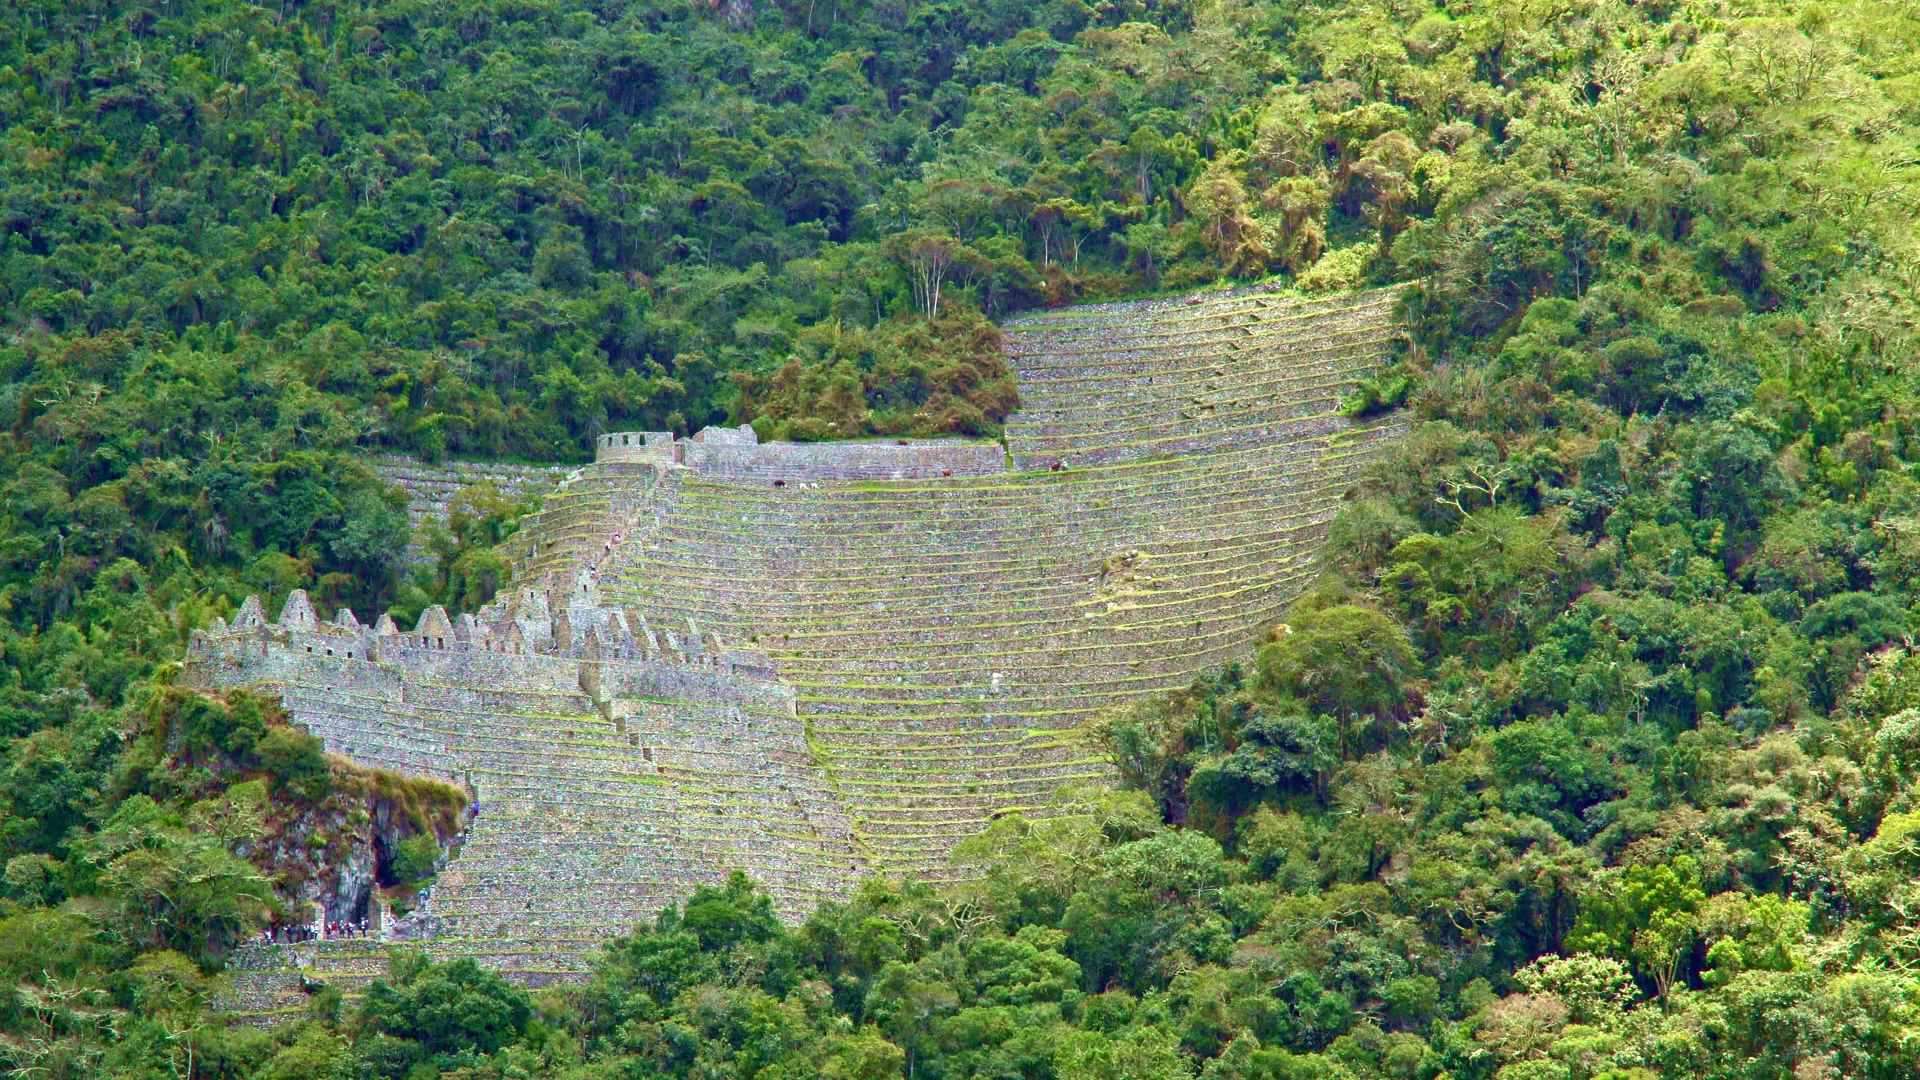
[{"x": 1593, "y": 754}]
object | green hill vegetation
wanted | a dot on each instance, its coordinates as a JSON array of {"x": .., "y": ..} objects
[{"x": 1593, "y": 754}]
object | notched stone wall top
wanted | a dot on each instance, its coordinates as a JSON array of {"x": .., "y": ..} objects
[{"x": 524, "y": 622}]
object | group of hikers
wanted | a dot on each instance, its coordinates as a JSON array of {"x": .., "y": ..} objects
[{"x": 295, "y": 933}]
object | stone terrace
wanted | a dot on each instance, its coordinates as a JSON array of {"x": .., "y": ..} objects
[
  {"x": 911, "y": 634},
  {"x": 431, "y": 488},
  {"x": 610, "y": 773},
  {"x": 942, "y": 638},
  {"x": 1123, "y": 382}
]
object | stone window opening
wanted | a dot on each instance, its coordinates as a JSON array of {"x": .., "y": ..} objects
[
  {"x": 329, "y": 652},
  {"x": 440, "y": 643},
  {"x": 309, "y": 648}
]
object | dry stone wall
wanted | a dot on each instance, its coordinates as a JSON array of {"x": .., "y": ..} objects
[
  {"x": 815, "y": 662},
  {"x": 901, "y": 460},
  {"x": 613, "y": 765},
  {"x": 1124, "y": 382},
  {"x": 431, "y": 489},
  {"x": 737, "y": 452}
]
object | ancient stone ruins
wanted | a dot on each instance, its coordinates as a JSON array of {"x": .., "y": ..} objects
[{"x": 818, "y": 662}]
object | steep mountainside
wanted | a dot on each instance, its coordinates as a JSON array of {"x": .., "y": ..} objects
[
  {"x": 1589, "y": 749},
  {"x": 726, "y": 655}
]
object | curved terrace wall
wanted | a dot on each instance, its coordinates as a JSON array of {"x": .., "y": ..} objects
[{"x": 431, "y": 489}]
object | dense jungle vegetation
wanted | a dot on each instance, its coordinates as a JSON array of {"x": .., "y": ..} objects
[{"x": 1594, "y": 754}]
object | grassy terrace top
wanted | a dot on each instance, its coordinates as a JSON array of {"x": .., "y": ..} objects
[{"x": 1185, "y": 375}]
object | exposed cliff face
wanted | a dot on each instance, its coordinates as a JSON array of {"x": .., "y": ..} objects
[
  {"x": 331, "y": 831},
  {"x": 334, "y": 860}
]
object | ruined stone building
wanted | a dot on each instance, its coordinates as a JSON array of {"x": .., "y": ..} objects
[{"x": 817, "y": 662}]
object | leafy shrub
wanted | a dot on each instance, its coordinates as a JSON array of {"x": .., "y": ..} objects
[
  {"x": 415, "y": 859},
  {"x": 297, "y": 762}
]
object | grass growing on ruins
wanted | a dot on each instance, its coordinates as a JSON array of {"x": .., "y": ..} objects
[{"x": 1554, "y": 721}]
